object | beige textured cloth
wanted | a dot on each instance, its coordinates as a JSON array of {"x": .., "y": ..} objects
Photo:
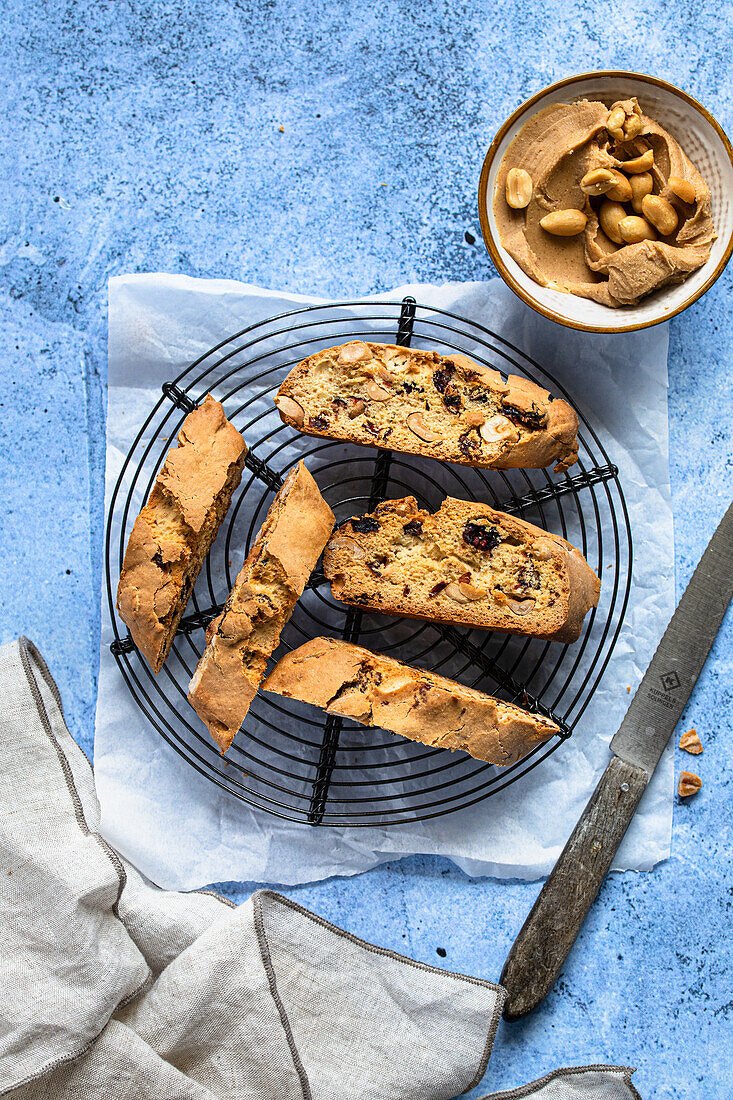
[{"x": 112, "y": 988}]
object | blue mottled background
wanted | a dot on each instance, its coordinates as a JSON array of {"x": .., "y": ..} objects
[{"x": 334, "y": 148}]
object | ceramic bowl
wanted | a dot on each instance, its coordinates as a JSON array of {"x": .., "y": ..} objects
[{"x": 701, "y": 138}]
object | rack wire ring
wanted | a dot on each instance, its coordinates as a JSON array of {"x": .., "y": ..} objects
[{"x": 292, "y": 761}]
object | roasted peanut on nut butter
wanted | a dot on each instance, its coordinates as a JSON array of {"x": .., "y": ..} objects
[
  {"x": 682, "y": 188},
  {"x": 641, "y": 185},
  {"x": 634, "y": 229},
  {"x": 615, "y": 123},
  {"x": 660, "y": 213},
  {"x": 610, "y": 214},
  {"x": 597, "y": 181},
  {"x": 518, "y": 188},
  {"x": 620, "y": 189},
  {"x": 564, "y": 223},
  {"x": 638, "y": 164}
]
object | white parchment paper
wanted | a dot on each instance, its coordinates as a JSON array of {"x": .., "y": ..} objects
[{"x": 180, "y": 829}]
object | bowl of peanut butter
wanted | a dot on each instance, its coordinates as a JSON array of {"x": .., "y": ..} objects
[{"x": 606, "y": 201}]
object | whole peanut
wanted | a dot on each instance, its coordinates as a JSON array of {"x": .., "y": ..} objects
[
  {"x": 623, "y": 127},
  {"x": 641, "y": 186},
  {"x": 682, "y": 188},
  {"x": 633, "y": 230},
  {"x": 615, "y": 123},
  {"x": 638, "y": 164},
  {"x": 564, "y": 223},
  {"x": 633, "y": 127},
  {"x": 598, "y": 181},
  {"x": 620, "y": 189},
  {"x": 610, "y": 214},
  {"x": 660, "y": 213},
  {"x": 518, "y": 188}
]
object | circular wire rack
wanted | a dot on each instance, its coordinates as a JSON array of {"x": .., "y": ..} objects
[{"x": 295, "y": 761}]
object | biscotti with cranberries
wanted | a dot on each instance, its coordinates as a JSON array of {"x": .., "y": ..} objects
[
  {"x": 175, "y": 530},
  {"x": 420, "y": 402},
  {"x": 466, "y": 564},
  {"x": 241, "y": 640},
  {"x": 353, "y": 682}
]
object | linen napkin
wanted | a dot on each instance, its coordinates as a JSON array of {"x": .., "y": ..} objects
[{"x": 114, "y": 988}]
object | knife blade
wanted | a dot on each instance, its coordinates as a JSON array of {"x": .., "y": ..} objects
[
  {"x": 673, "y": 671},
  {"x": 549, "y": 932}
]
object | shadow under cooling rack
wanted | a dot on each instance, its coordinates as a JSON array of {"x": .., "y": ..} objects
[{"x": 292, "y": 760}]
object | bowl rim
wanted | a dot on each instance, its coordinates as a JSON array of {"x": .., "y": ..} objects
[{"x": 494, "y": 251}]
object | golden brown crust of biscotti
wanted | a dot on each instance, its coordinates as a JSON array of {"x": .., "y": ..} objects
[
  {"x": 378, "y": 691},
  {"x": 176, "y": 528},
  {"x": 241, "y": 640},
  {"x": 420, "y": 402},
  {"x": 467, "y": 564}
]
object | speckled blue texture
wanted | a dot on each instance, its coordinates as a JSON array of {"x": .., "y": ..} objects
[{"x": 335, "y": 149}]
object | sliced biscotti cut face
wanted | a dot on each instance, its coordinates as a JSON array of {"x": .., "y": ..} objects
[
  {"x": 420, "y": 402},
  {"x": 349, "y": 680},
  {"x": 241, "y": 640},
  {"x": 175, "y": 530},
  {"x": 467, "y": 564}
]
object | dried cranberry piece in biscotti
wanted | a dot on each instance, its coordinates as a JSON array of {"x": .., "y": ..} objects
[
  {"x": 532, "y": 418},
  {"x": 481, "y": 536},
  {"x": 528, "y": 577},
  {"x": 469, "y": 443},
  {"x": 438, "y": 588},
  {"x": 442, "y": 378},
  {"x": 365, "y": 525}
]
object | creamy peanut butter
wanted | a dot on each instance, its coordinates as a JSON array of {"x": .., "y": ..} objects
[{"x": 558, "y": 147}]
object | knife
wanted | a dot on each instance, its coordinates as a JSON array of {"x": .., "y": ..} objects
[{"x": 550, "y": 930}]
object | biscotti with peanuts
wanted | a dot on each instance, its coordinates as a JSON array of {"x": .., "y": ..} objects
[
  {"x": 419, "y": 402},
  {"x": 467, "y": 564},
  {"x": 353, "y": 682},
  {"x": 176, "y": 528},
  {"x": 241, "y": 640}
]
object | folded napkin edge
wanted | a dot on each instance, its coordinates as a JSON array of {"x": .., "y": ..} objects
[
  {"x": 30, "y": 654},
  {"x": 259, "y": 897},
  {"x": 564, "y": 1071}
]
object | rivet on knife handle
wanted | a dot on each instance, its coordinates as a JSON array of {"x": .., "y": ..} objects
[{"x": 551, "y": 928}]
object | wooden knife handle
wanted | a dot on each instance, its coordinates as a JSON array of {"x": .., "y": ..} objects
[{"x": 550, "y": 930}]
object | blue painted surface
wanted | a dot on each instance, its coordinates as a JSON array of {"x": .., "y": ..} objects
[{"x": 147, "y": 136}]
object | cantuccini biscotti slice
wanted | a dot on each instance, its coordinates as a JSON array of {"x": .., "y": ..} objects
[
  {"x": 346, "y": 679},
  {"x": 419, "y": 402},
  {"x": 241, "y": 640},
  {"x": 467, "y": 564},
  {"x": 175, "y": 530}
]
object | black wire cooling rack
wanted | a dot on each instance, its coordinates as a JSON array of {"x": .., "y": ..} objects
[{"x": 291, "y": 760}]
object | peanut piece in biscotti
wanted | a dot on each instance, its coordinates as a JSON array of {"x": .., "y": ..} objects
[
  {"x": 419, "y": 402},
  {"x": 466, "y": 563},
  {"x": 175, "y": 530},
  {"x": 375, "y": 690}
]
